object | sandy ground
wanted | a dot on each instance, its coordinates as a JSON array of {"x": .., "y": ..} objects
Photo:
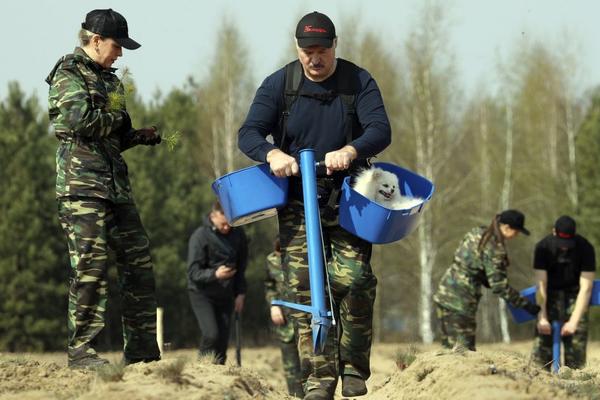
[{"x": 399, "y": 372}]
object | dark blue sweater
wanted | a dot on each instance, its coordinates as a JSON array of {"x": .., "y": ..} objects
[{"x": 314, "y": 123}]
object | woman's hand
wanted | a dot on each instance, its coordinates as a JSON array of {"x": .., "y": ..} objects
[{"x": 148, "y": 136}]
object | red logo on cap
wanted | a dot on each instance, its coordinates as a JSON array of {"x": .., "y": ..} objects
[
  {"x": 309, "y": 28},
  {"x": 564, "y": 235}
]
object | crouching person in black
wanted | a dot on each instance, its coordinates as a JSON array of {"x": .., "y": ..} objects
[{"x": 217, "y": 257}]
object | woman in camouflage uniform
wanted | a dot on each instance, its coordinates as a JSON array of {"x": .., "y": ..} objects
[
  {"x": 95, "y": 203},
  {"x": 480, "y": 260}
]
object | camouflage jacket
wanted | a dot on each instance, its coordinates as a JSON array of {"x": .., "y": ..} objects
[
  {"x": 460, "y": 287},
  {"x": 275, "y": 289},
  {"x": 88, "y": 158}
]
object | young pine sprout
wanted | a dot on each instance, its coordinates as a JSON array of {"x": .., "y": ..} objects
[
  {"x": 171, "y": 139},
  {"x": 116, "y": 98}
]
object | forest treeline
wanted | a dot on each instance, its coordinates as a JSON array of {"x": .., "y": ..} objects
[{"x": 526, "y": 138}]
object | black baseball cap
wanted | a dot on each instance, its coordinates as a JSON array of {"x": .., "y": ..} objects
[
  {"x": 315, "y": 29},
  {"x": 515, "y": 219},
  {"x": 111, "y": 24},
  {"x": 564, "y": 229}
]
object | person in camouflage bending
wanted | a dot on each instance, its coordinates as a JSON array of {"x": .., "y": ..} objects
[
  {"x": 480, "y": 260},
  {"x": 565, "y": 266},
  {"x": 95, "y": 204},
  {"x": 284, "y": 328}
]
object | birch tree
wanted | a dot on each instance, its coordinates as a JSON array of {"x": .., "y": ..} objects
[
  {"x": 224, "y": 100},
  {"x": 430, "y": 76}
]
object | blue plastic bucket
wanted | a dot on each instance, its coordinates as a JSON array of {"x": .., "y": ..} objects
[
  {"x": 595, "y": 299},
  {"x": 251, "y": 194},
  {"x": 519, "y": 315},
  {"x": 377, "y": 224}
]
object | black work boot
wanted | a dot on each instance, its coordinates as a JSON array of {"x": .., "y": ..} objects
[
  {"x": 88, "y": 361},
  {"x": 353, "y": 385},
  {"x": 317, "y": 394}
]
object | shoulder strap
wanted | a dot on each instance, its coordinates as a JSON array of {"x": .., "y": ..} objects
[
  {"x": 293, "y": 81},
  {"x": 347, "y": 87}
]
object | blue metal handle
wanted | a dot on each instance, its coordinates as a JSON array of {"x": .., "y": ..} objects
[
  {"x": 556, "y": 327},
  {"x": 321, "y": 316}
]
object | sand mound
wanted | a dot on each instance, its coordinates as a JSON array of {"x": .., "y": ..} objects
[
  {"x": 493, "y": 372},
  {"x": 484, "y": 375},
  {"x": 178, "y": 378}
]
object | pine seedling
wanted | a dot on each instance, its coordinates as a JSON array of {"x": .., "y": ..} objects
[
  {"x": 116, "y": 98},
  {"x": 172, "y": 139}
]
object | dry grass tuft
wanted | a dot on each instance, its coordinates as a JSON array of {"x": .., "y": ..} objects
[
  {"x": 111, "y": 372},
  {"x": 405, "y": 357},
  {"x": 173, "y": 371}
]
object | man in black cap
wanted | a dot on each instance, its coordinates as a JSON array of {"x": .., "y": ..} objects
[
  {"x": 334, "y": 107},
  {"x": 565, "y": 266}
]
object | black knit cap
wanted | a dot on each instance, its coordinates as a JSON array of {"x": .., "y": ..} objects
[
  {"x": 315, "y": 29},
  {"x": 515, "y": 219},
  {"x": 110, "y": 24}
]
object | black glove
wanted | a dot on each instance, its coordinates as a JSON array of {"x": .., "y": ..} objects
[
  {"x": 149, "y": 141},
  {"x": 532, "y": 308}
]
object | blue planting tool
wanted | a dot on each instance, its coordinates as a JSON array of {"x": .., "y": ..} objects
[
  {"x": 520, "y": 316},
  {"x": 321, "y": 317},
  {"x": 556, "y": 326}
]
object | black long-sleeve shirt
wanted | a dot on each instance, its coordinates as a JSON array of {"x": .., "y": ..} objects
[
  {"x": 208, "y": 249},
  {"x": 314, "y": 123}
]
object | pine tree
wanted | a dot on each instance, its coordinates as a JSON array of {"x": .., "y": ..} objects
[{"x": 33, "y": 255}]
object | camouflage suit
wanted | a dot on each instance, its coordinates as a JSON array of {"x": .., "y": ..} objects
[
  {"x": 275, "y": 289},
  {"x": 97, "y": 210},
  {"x": 459, "y": 290},
  {"x": 353, "y": 289},
  {"x": 560, "y": 306}
]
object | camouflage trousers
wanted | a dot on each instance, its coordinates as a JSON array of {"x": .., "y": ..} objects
[
  {"x": 289, "y": 356},
  {"x": 347, "y": 351},
  {"x": 457, "y": 329},
  {"x": 93, "y": 226},
  {"x": 574, "y": 346}
]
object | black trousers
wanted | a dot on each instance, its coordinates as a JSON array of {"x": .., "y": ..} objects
[{"x": 214, "y": 319}]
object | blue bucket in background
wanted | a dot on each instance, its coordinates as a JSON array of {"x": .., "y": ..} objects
[
  {"x": 377, "y": 224},
  {"x": 251, "y": 194},
  {"x": 595, "y": 299},
  {"x": 519, "y": 315}
]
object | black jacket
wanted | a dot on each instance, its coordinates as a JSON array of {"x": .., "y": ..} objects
[{"x": 208, "y": 249}]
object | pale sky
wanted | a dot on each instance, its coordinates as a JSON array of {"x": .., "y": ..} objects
[{"x": 178, "y": 36}]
